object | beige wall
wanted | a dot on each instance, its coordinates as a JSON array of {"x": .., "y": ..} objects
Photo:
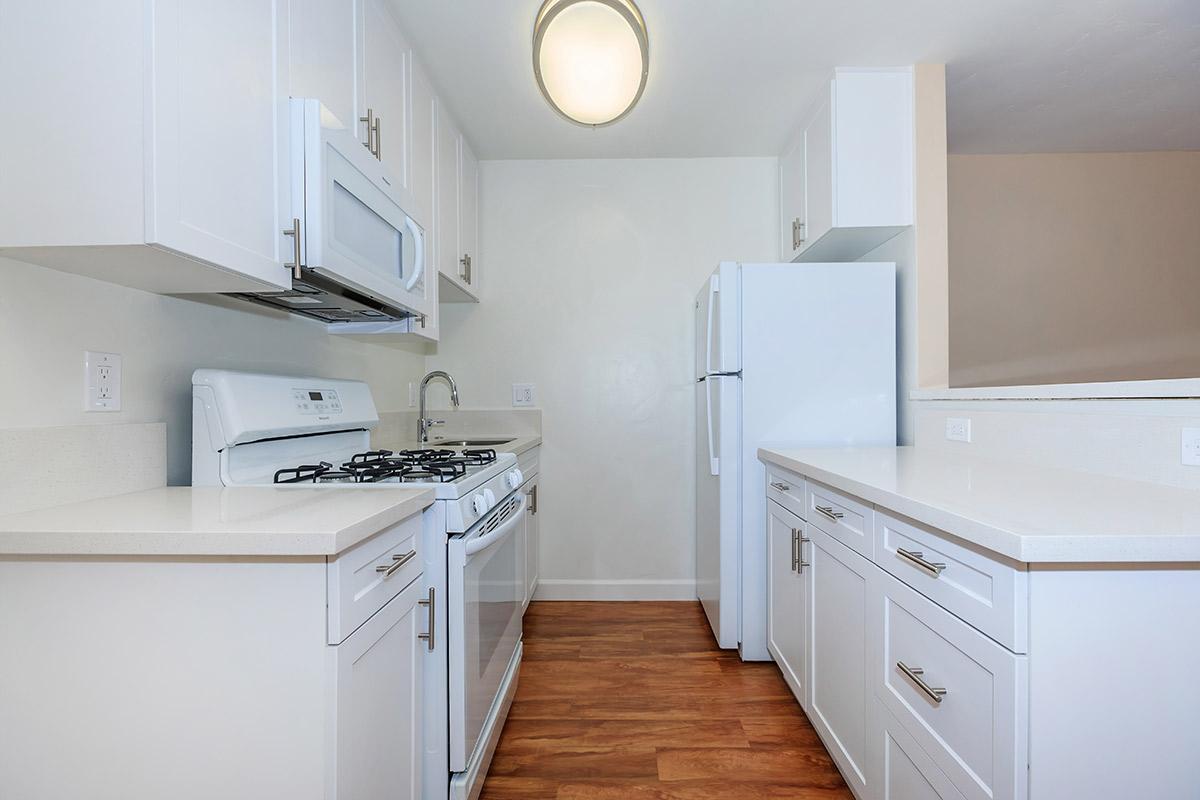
[
  {"x": 590, "y": 270},
  {"x": 1074, "y": 267},
  {"x": 49, "y": 318}
]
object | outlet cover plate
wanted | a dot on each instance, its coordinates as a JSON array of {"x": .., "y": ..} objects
[
  {"x": 1190, "y": 446},
  {"x": 958, "y": 429},
  {"x": 101, "y": 381},
  {"x": 522, "y": 395}
]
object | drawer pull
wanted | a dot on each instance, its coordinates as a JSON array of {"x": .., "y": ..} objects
[
  {"x": 781, "y": 486},
  {"x": 827, "y": 511},
  {"x": 429, "y": 603},
  {"x": 914, "y": 674},
  {"x": 795, "y": 537},
  {"x": 917, "y": 559},
  {"x": 397, "y": 563}
]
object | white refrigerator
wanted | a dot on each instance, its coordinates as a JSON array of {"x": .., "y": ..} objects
[{"x": 786, "y": 354}]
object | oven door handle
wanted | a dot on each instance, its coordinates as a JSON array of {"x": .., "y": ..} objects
[{"x": 488, "y": 539}]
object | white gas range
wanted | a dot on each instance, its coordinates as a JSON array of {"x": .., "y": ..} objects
[{"x": 252, "y": 429}]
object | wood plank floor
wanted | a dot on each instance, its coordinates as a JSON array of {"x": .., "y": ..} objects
[{"x": 634, "y": 701}]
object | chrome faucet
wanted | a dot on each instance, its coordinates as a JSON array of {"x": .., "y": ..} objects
[{"x": 423, "y": 422}]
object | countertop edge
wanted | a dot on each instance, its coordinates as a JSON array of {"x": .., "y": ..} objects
[
  {"x": 50, "y": 542},
  {"x": 1011, "y": 545}
]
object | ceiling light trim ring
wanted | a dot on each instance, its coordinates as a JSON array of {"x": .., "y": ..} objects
[{"x": 632, "y": 15}]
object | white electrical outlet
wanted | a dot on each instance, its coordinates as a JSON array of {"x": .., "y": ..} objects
[
  {"x": 522, "y": 394},
  {"x": 958, "y": 429},
  {"x": 1190, "y": 445},
  {"x": 102, "y": 381},
  {"x": 412, "y": 395}
]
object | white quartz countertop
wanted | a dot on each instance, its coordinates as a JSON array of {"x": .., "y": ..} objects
[
  {"x": 187, "y": 521},
  {"x": 1026, "y": 513}
]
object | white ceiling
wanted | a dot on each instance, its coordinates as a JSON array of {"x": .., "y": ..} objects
[{"x": 733, "y": 77}]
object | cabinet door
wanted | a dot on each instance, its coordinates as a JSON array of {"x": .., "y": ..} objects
[
  {"x": 900, "y": 769},
  {"x": 218, "y": 176},
  {"x": 793, "y": 219},
  {"x": 532, "y": 541},
  {"x": 446, "y": 225},
  {"x": 421, "y": 166},
  {"x": 785, "y": 596},
  {"x": 468, "y": 215},
  {"x": 837, "y": 646},
  {"x": 818, "y": 167},
  {"x": 385, "y": 68},
  {"x": 322, "y": 47},
  {"x": 377, "y": 704}
]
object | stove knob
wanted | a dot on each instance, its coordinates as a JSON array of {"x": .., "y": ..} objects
[
  {"x": 490, "y": 496},
  {"x": 514, "y": 478},
  {"x": 479, "y": 504}
]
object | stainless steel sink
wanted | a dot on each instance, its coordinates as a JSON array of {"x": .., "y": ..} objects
[{"x": 470, "y": 442}]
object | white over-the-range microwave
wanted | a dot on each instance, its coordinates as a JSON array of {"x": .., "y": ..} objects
[{"x": 358, "y": 252}]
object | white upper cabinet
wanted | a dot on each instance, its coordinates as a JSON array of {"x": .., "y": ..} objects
[
  {"x": 846, "y": 181},
  {"x": 455, "y": 221},
  {"x": 177, "y": 178},
  {"x": 324, "y": 62},
  {"x": 386, "y": 60}
]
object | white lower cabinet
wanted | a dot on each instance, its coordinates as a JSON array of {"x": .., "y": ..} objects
[
  {"x": 837, "y": 654},
  {"x": 900, "y": 769},
  {"x": 377, "y": 704},
  {"x": 958, "y": 693},
  {"x": 786, "y": 589}
]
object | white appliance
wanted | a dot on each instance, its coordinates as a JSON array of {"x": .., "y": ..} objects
[
  {"x": 251, "y": 429},
  {"x": 797, "y": 354},
  {"x": 359, "y": 255}
]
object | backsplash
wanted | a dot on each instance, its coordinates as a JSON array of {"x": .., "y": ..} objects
[
  {"x": 1129, "y": 438},
  {"x": 397, "y": 427},
  {"x": 45, "y": 467}
]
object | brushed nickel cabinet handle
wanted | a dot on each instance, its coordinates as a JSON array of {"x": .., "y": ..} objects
[
  {"x": 294, "y": 266},
  {"x": 397, "y": 562},
  {"x": 378, "y": 151},
  {"x": 914, "y": 674},
  {"x": 795, "y": 536},
  {"x": 465, "y": 273},
  {"x": 369, "y": 119},
  {"x": 780, "y": 486},
  {"x": 431, "y": 636},
  {"x": 827, "y": 511},
  {"x": 917, "y": 559},
  {"x": 800, "y": 562}
]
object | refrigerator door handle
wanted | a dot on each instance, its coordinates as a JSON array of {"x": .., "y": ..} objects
[
  {"x": 713, "y": 288},
  {"x": 714, "y": 463}
]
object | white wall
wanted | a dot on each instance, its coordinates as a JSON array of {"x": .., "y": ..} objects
[
  {"x": 1074, "y": 267},
  {"x": 589, "y": 272},
  {"x": 49, "y": 318}
]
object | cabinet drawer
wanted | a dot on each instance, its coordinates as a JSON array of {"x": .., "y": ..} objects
[
  {"x": 991, "y": 595},
  {"x": 960, "y": 695},
  {"x": 839, "y": 515},
  {"x": 787, "y": 489},
  {"x": 900, "y": 769},
  {"x": 364, "y": 578}
]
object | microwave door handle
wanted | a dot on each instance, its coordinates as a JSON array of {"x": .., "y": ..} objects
[
  {"x": 418, "y": 253},
  {"x": 487, "y": 540}
]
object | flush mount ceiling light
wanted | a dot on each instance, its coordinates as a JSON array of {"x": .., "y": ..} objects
[{"x": 591, "y": 58}]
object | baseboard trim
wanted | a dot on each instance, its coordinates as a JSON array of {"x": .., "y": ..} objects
[{"x": 619, "y": 590}]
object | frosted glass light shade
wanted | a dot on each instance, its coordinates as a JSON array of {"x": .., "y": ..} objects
[{"x": 591, "y": 58}]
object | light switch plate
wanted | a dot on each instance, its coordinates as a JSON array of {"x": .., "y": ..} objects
[
  {"x": 101, "y": 381},
  {"x": 1190, "y": 446},
  {"x": 958, "y": 429},
  {"x": 522, "y": 394}
]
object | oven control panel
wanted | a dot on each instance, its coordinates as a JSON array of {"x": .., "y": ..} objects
[{"x": 316, "y": 401}]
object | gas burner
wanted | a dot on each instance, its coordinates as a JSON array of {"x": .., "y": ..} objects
[
  {"x": 338, "y": 476},
  {"x": 305, "y": 473},
  {"x": 479, "y": 457}
]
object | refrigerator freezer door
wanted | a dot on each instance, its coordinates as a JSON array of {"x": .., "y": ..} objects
[{"x": 716, "y": 322}]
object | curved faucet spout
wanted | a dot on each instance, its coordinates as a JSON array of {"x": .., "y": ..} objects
[{"x": 423, "y": 423}]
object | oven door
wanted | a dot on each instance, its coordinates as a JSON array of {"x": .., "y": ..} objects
[
  {"x": 356, "y": 229},
  {"x": 486, "y": 591}
]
